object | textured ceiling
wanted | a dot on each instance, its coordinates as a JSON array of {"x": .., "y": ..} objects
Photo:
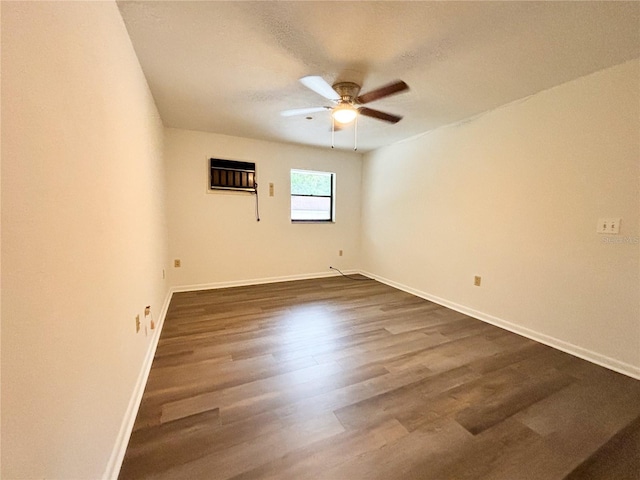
[{"x": 231, "y": 67}]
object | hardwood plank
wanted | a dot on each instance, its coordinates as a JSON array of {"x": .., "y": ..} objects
[
  {"x": 483, "y": 415},
  {"x": 619, "y": 458},
  {"x": 257, "y": 451},
  {"x": 413, "y": 456},
  {"x": 328, "y": 453}
]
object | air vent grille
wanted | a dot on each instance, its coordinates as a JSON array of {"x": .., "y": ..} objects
[{"x": 232, "y": 175}]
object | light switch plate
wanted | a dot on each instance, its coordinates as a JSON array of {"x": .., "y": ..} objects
[{"x": 609, "y": 226}]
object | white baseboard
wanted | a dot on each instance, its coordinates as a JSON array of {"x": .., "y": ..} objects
[
  {"x": 259, "y": 281},
  {"x": 575, "y": 350},
  {"x": 117, "y": 455}
]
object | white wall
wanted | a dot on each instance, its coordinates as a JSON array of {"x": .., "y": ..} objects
[
  {"x": 84, "y": 236},
  {"x": 514, "y": 196},
  {"x": 216, "y": 236}
]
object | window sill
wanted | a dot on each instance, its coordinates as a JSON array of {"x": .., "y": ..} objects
[{"x": 313, "y": 221}]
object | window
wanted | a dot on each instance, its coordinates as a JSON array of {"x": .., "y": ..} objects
[{"x": 312, "y": 196}]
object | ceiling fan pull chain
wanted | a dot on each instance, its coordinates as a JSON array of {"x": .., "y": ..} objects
[
  {"x": 333, "y": 128},
  {"x": 355, "y": 134}
]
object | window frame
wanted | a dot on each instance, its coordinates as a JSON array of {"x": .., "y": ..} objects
[{"x": 331, "y": 197}]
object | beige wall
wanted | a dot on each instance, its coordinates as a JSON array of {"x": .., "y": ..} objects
[
  {"x": 84, "y": 240},
  {"x": 0, "y": 244},
  {"x": 216, "y": 236},
  {"x": 514, "y": 196}
]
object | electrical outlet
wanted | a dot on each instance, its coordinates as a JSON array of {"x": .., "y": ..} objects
[
  {"x": 477, "y": 280},
  {"x": 147, "y": 310},
  {"x": 339, "y": 253},
  {"x": 271, "y": 189},
  {"x": 137, "y": 323},
  {"x": 176, "y": 263},
  {"x": 610, "y": 226}
]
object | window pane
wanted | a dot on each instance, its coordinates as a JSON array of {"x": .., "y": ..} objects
[
  {"x": 310, "y": 183},
  {"x": 310, "y": 208},
  {"x": 312, "y": 196}
]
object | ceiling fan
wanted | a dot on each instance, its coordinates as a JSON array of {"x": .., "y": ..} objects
[{"x": 347, "y": 103}]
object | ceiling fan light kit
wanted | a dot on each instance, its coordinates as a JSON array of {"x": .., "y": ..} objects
[
  {"x": 344, "y": 113},
  {"x": 346, "y": 102}
]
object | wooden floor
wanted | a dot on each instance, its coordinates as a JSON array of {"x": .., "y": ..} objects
[{"x": 341, "y": 379}]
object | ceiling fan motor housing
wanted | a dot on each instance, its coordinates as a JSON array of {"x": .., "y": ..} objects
[{"x": 348, "y": 91}]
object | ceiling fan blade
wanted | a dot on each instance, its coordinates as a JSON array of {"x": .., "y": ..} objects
[
  {"x": 303, "y": 111},
  {"x": 387, "y": 117},
  {"x": 377, "y": 94},
  {"x": 320, "y": 86}
]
